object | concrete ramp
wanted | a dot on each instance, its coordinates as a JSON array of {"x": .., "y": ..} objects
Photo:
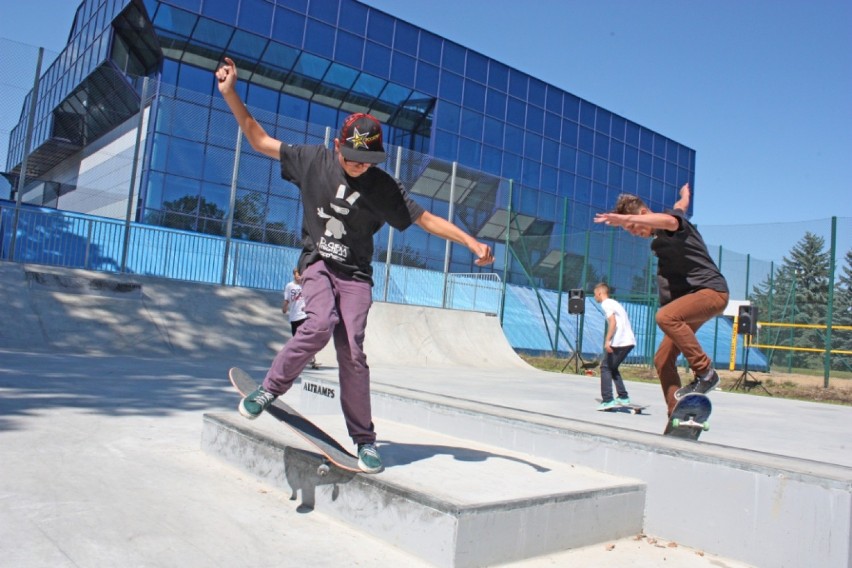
[
  {"x": 54, "y": 310},
  {"x": 423, "y": 337}
]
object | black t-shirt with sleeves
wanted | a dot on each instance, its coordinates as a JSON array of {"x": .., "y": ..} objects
[
  {"x": 684, "y": 263},
  {"x": 341, "y": 213}
]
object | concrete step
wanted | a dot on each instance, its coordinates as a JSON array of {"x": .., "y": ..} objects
[{"x": 449, "y": 501}]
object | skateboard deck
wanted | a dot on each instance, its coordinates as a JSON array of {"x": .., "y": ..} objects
[
  {"x": 332, "y": 451},
  {"x": 629, "y": 408},
  {"x": 689, "y": 417}
]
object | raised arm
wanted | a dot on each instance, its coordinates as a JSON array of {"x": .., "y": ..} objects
[
  {"x": 253, "y": 131},
  {"x": 683, "y": 202},
  {"x": 444, "y": 229}
]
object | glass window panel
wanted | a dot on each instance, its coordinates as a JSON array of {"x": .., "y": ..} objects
[
  {"x": 532, "y": 146},
  {"x": 222, "y": 11},
  {"x": 154, "y": 190},
  {"x": 402, "y": 69},
  {"x": 532, "y": 179},
  {"x": 549, "y": 180},
  {"x": 600, "y": 170},
  {"x": 646, "y": 140},
  {"x": 319, "y": 38},
  {"x": 552, "y": 126},
  {"x": 159, "y": 152},
  {"x": 492, "y": 159},
  {"x": 683, "y": 156},
  {"x": 471, "y": 124},
  {"x": 614, "y": 177},
  {"x": 584, "y": 164},
  {"x": 194, "y": 79},
  {"x": 630, "y": 181},
  {"x": 659, "y": 146},
  {"x": 212, "y": 33},
  {"x": 617, "y": 127},
  {"x": 568, "y": 158},
  {"x": 513, "y": 140},
  {"x": 495, "y": 104},
  {"x": 430, "y": 47},
  {"x": 554, "y": 100},
  {"x": 599, "y": 196},
  {"x": 180, "y": 192},
  {"x": 474, "y": 96},
  {"x": 218, "y": 165},
  {"x": 602, "y": 146},
  {"x": 190, "y": 121},
  {"x": 516, "y": 111},
  {"x": 294, "y": 107},
  {"x": 566, "y": 184},
  {"x": 349, "y": 49},
  {"x": 511, "y": 166},
  {"x": 321, "y": 114},
  {"x": 582, "y": 190},
  {"x": 249, "y": 45},
  {"x": 587, "y": 114},
  {"x": 671, "y": 173},
  {"x": 280, "y": 56},
  {"x": 174, "y": 20},
  {"x": 631, "y": 134},
  {"x": 477, "y": 67},
  {"x": 325, "y": 10},
  {"x": 645, "y": 163},
  {"x": 571, "y": 107},
  {"x": 671, "y": 151},
  {"x": 570, "y": 132},
  {"x": 298, "y": 5},
  {"x": 184, "y": 157},
  {"x": 587, "y": 139},
  {"x": 616, "y": 151},
  {"x": 405, "y": 38},
  {"x": 493, "y": 133},
  {"x": 427, "y": 78},
  {"x": 658, "y": 168},
  {"x": 446, "y": 145},
  {"x": 193, "y": 5},
  {"x": 535, "y": 119},
  {"x": 255, "y": 16},
  {"x": 255, "y": 170},
  {"x": 631, "y": 158},
  {"x": 380, "y": 27},
  {"x": 550, "y": 152},
  {"x": 451, "y": 87},
  {"x": 448, "y": 116},
  {"x": 537, "y": 91},
  {"x": 288, "y": 27},
  {"x": 377, "y": 59},
  {"x": 498, "y": 75},
  {"x": 453, "y": 57},
  {"x": 353, "y": 17},
  {"x": 470, "y": 152},
  {"x": 518, "y": 84},
  {"x": 262, "y": 98}
]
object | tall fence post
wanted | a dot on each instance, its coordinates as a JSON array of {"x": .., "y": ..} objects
[
  {"x": 448, "y": 244},
  {"x": 396, "y": 173},
  {"x": 829, "y": 316},
  {"x": 28, "y": 140},
  {"x": 133, "y": 169},
  {"x": 561, "y": 275},
  {"x": 232, "y": 203},
  {"x": 507, "y": 253}
]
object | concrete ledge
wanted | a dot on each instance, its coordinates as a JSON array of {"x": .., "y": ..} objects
[{"x": 430, "y": 524}]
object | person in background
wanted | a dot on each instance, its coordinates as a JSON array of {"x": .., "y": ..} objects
[
  {"x": 618, "y": 343},
  {"x": 294, "y": 307}
]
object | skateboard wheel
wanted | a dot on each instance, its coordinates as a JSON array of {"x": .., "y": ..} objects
[
  {"x": 705, "y": 426},
  {"x": 323, "y": 470},
  {"x": 675, "y": 423}
]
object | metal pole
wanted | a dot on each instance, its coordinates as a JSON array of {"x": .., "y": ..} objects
[
  {"x": 507, "y": 255},
  {"x": 396, "y": 174},
  {"x": 769, "y": 316},
  {"x": 448, "y": 244},
  {"x": 28, "y": 140},
  {"x": 232, "y": 203},
  {"x": 716, "y": 327},
  {"x": 829, "y": 317},
  {"x": 133, "y": 168},
  {"x": 561, "y": 274}
]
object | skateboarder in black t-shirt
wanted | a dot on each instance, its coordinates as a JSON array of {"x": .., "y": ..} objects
[
  {"x": 692, "y": 290},
  {"x": 346, "y": 201}
]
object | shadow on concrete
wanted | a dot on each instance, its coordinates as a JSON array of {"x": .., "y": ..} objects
[{"x": 395, "y": 454}]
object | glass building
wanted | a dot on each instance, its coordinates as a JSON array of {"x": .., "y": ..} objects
[{"x": 530, "y": 163}]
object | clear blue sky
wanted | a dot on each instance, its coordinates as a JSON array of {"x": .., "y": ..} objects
[{"x": 761, "y": 89}]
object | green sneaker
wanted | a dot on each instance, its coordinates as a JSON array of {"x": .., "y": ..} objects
[
  {"x": 369, "y": 459},
  {"x": 255, "y": 403},
  {"x": 623, "y": 401},
  {"x": 607, "y": 405}
]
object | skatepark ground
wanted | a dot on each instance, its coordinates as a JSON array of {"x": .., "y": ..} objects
[{"x": 103, "y": 390}]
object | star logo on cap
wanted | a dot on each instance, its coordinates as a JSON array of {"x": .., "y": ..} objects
[{"x": 358, "y": 140}]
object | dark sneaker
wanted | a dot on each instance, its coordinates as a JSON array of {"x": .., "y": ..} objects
[
  {"x": 700, "y": 386},
  {"x": 255, "y": 403},
  {"x": 369, "y": 459}
]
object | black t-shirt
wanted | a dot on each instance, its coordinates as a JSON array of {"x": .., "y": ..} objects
[
  {"x": 684, "y": 264},
  {"x": 343, "y": 213}
]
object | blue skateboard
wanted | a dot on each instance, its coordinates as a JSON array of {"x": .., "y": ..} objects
[{"x": 689, "y": 417}]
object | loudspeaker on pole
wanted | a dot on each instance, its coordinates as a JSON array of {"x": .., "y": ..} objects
[
  {"x": 747, "y": 320},
  {"x": 576, "y": 301}
]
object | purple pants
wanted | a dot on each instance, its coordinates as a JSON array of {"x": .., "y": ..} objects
[{"x": 337, "y": 306}]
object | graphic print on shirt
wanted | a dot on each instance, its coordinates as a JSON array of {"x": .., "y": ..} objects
[{"x": 330, "y": 245}]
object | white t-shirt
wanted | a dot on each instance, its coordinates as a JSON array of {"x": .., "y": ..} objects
[
  {"x": 296, "y": 307},
  {"x": 623, "y": 335}
]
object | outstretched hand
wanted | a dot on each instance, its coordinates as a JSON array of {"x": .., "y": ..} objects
[
  {"x": 483, "y": 253},
  {"x": 226, "y": 76}
]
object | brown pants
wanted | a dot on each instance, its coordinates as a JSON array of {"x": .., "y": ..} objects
[{"x": 679, "y": 320}]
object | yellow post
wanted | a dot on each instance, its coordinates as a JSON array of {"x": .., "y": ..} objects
[{"x": 733, "y": 362}]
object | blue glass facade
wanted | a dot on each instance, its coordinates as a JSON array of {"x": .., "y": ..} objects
[{"x": 305, "y": 64}]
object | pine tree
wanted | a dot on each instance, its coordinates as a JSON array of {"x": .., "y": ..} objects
[
  {"x": 798, "y": 293},
  {"x": 842, "y": 315}
]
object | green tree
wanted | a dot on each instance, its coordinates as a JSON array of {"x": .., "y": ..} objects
[
  {"x": 798, "y": 293},
  {"x": 842, "y": 315}
]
